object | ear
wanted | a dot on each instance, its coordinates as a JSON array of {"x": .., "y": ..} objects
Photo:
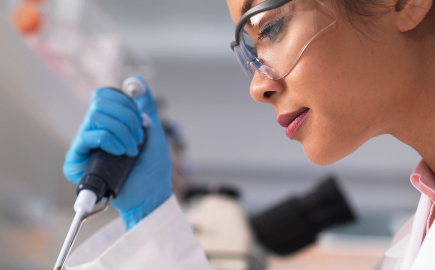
[{"x": 410, "y": 13}]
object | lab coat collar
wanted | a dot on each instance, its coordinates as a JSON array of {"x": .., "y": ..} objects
[{"x": 423, "y": 179}]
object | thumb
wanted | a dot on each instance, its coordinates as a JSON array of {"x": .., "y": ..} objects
[{"x": 146, "y": 103}]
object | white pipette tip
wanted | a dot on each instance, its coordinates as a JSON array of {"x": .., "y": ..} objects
[{"x": 84, "y": 204}]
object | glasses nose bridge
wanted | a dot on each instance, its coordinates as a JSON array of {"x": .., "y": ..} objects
[
  {"x": 252, "y": 65},
  {"x": 251, "y": 54},
  {"x": 265, "y": 70}
]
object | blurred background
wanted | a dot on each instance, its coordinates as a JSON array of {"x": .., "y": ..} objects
[{"x": 49, "y": 65}]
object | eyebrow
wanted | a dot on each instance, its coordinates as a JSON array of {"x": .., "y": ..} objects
[{"x": 246, "y": 6}]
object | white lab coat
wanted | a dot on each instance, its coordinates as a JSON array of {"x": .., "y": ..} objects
[
  {"x": 164, "y": 241},
  {"x": 408, "y": 250}
]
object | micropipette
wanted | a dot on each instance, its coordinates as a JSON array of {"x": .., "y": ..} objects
[{"x": 103, "y": 178}]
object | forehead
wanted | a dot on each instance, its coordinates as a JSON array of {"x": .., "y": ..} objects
[{"x": 236, "y": 7}]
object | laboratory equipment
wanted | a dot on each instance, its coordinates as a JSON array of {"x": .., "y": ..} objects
[
  {"x": 26, "y": 18},
  {"x": 80, "y": 42},
  {"x": 103, "y": 178},
  {"x": 244, "y": 242},
  {"x": 296, "y": 222}
]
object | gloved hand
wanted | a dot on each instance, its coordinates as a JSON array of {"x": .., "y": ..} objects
[{"x": 114, "y": 123}]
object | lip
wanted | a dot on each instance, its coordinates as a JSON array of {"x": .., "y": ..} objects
[
  {"x": 286, "y": 118},
  {"x": 292, "y": 121}
]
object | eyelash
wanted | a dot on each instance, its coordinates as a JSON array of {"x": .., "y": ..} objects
[{"x": 277, "y": 23}]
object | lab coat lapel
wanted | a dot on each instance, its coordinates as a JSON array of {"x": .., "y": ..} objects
[
  {"x": 425, "y": 259},
  {"x": 407, "y": 241},
  {"x": 417, "y": 233},
  {"x": 393, "y": 256}
]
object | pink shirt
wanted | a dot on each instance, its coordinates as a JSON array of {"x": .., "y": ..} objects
[{"x": 423, "y": 179}]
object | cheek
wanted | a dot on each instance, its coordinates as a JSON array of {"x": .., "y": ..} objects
[
  {"x": 346, "y": 109},
  {"x": 335, "y": 129}
]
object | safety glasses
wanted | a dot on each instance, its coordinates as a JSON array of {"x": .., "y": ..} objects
[{"x": 272, "y": 36}]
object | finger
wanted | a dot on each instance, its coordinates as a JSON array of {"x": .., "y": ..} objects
[
  {"x": 119, "y": 130},
  {"x": 115, "y": 96},
  {"x": 74, "y": 171},
  {"x": 88, "y": 140},
  {"x": 123, "y": 115},
  {"x": 76, "y": 158}
]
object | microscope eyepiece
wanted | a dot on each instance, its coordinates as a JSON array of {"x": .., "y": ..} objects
[{"x": 296, "y": 222}]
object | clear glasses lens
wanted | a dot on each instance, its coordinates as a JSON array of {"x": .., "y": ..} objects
[
  {"x": 273, "y": 41},
  {"x": 244, "y": 61}
]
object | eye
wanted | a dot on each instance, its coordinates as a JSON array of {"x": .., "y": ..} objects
[{"x": 271, "y": 29}]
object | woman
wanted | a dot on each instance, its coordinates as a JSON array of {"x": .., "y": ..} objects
[{"x": 337, "y": 73}]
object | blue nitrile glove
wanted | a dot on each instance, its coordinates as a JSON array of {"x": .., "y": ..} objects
[{"x": 114, "y": 124}]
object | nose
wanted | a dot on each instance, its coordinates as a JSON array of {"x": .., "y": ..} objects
[{"x": 265, "y": 90}]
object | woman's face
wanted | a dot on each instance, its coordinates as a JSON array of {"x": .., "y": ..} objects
[{"x": 356, "y": 80}]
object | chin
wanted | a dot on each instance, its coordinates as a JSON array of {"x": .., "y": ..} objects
[
  {"x": 324, "y": 145},
  {"x": 324, "y": 153},
  {"x": 320, "y": 159}
]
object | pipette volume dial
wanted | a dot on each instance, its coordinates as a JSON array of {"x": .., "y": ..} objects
[{"x": 133, "y": 87}]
